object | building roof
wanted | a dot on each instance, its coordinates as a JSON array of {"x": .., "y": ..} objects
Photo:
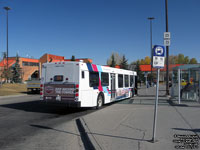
[
  {"x": 86, "y": 60},
  {"x": 186, "y": 67},
  {"x": 12, "y": 60}
]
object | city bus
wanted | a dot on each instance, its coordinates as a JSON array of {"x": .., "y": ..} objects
[{"x": 79, "y": 84}]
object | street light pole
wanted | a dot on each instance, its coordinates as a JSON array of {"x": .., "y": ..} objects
[
  {"x": 151, "y": 49},
  {"x": 167, "y": 50},
  {"x": 7, "y": 9}
]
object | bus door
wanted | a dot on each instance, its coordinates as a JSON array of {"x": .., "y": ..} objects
[{"x": 113, "y": 88}]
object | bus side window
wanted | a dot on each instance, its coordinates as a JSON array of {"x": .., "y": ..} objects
[
  {"x": 131, "y": 80},
  {"x": 126, "y": 81},
  {"x": 120, "y": 81},
  {"x": 104, "y": 79},
  {"x": 94, "y": 79},
  {"x": 83, "y": 74}
]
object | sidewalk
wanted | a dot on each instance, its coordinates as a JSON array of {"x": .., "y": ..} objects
[{"x": 128, "y": 125}]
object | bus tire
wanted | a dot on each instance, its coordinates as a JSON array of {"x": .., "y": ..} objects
[
  {"x": 100, "y": 101},
  {"x": 131, "y": 94}
]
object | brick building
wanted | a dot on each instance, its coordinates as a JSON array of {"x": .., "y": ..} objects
[
  {"x": 28, "y": 65},
  {"x": 31, "y": 67}
]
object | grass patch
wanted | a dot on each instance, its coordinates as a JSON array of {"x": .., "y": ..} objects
[{"x": 12, "y": 89}]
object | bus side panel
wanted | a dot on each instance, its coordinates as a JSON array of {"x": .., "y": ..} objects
[
  {"x": 86, "y": 92},
  {"x": 107, "y": 92}
]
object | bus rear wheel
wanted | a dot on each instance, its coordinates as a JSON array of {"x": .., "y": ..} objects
[
  {"x": 131, "y": 93},
  {"x": 99, "y": 101}
]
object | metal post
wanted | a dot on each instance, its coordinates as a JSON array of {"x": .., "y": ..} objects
[
  {"x": 199, "y": 87},
  {"x": 179, "y": 86},
  {"x": 172, "y": 89},
  {"x": 155, "y": 107},
  {"x": 7, "y": 9},
  {"x": 151, "y": 48},
  {"x": 167, "y": 50}
]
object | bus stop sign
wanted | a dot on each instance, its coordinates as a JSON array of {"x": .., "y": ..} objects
[{"x": 158, "y": 56}]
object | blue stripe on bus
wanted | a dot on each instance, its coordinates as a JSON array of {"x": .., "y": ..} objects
[
  {"x": 99, "y": 70},
  {"x": 89, "y": 67}
]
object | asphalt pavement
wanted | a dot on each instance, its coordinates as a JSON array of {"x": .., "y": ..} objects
[{"x": 124, "y": 125}]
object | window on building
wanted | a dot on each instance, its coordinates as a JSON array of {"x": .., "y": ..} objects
[
  {"x": 94, "y": 79},
  {"x": 104, "y": 79},
  {"x": 126, "y": 81},
  {"x": 26, "y": 63},
  {"x": 120, "y": 81}
]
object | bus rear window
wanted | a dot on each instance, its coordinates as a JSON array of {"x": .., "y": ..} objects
[{"x": 58, "y": 78}]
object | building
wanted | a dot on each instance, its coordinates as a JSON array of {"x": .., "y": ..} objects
[
  {"x": 146, "y": 69},
  {"x": 31, "y": 67}
]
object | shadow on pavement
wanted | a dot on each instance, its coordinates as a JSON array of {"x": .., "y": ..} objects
[
  {"x": 38, "y": 106},
  {"x": 182, "y": 129},
  {"x": 139, "y": 95},
  {"x": 195, "y": 131},
  {"x": 49, "y": 128},
  {"x": 84, "y": 136},
  {"x": 175, "y": 104}
]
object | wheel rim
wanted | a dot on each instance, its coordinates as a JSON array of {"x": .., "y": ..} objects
[{"x": 100, "y": 101}]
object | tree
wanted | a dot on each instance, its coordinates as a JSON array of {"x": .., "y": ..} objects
[
  {"x": 124, "y": 63},
  {"x": 17, "y": 71},
  {"x": 73, "y": 58},
  {"x": 173, "y": 59},
  {"x": 193, "y": 61},
  {"x": 186, "y": 60},
  {"x": 142, "y": 62},
  {"x": 147, "y": 60},
  {"x": 139, "y": 72},
  {"x": 7, "y": 73},
  {"x": 114, "y": 60},
  {"x": 181, "y": 59}
]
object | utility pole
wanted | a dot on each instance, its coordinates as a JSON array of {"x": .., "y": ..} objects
[
  {"x": 167, "y": 50},
  {"x": 7, "y": 9},
  {"x": 151, "y": 48}
]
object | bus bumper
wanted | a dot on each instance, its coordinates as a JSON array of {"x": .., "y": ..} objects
[{"x": 66, "y": 103}]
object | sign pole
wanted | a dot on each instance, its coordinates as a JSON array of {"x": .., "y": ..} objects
[
  {"x": 156, "y": 107},
  {"x": 158, "y": 62}
]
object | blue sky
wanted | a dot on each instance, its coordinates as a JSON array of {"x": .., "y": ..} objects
[{"x": 96, "y": 28}]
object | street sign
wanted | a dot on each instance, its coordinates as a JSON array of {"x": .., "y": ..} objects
[
  {"x": 167, "y": 42},
  {"x": 167, "y": 35},
  {"x": 158, "y": 56}
]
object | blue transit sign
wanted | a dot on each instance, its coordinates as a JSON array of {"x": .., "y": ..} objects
[
  {"x": 159, "y": 51},
  {"x": 158, "y": 56}
]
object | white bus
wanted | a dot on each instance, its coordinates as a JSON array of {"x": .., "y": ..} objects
[{"x": 79, "y": 84}]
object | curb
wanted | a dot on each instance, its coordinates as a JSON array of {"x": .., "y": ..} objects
[{"x": 85, "y": 132}]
